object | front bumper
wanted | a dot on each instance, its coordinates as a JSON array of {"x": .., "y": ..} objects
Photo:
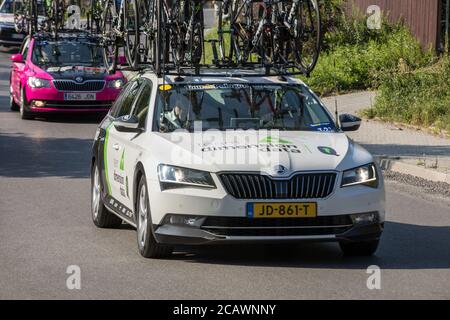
[
  {"x": 181, "y": 235},
  {"x": 226, "y": 218},
  {"x": 60, "y": 106},
  {"x": 54, "y": 101}
]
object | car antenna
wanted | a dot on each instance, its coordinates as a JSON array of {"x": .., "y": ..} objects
[{"x": 336, "y": 111}]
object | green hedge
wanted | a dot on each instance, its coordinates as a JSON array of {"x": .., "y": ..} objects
[
  {"x": 420, "y": 97},
  {"x": 360, "y": 63}
]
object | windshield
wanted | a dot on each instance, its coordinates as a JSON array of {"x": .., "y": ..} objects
[
  {"x": 6, "y": 6},
  {"x": 67, "y": 53},
  {"x": 240, "y": 106}
]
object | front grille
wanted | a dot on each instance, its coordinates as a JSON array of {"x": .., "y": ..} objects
[
  {"x": 88, "y": 86},
  {"x": 300, "y": 186},
  {"x": 231, "y": 226}
]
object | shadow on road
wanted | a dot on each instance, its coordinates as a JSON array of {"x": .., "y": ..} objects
[
  {"x": 9, "y": 50},
  {"x": 408, "y": 150},
  {"x": 23, "y": 156},
  {"x": 56, "y": 118},
  {"x": 404, "y": 246}
]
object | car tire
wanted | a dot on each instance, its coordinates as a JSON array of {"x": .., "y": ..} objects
[
  {"x": 24, "y": 113},
  {"x": 12, "y": 104},
  {"x": 101, "y": 216},
  {"x": 147, "y": 244},
  {"x": 359, "y": 249}
]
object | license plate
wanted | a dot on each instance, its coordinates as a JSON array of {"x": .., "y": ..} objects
[
  {"x": 80, "y": 96},
  {"x": 17, "y": 36},
  {"x": 282, "y": 210}
]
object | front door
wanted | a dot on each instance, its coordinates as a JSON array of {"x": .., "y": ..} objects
[{"x": 118, "y": 182}]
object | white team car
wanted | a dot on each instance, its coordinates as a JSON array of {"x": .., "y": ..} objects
[{"x": 233, "y": 159}]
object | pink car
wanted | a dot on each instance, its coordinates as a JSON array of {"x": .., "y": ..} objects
[{"x": 62, "y": 75}]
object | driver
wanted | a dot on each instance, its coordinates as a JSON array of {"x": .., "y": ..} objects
[{"x": 178, "y": 116}]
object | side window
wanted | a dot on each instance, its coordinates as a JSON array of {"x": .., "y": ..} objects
[
  {"x": 124, "y": 103},
  {"x": 116, "y": 105},
  {"x": 143, "y": 103}
]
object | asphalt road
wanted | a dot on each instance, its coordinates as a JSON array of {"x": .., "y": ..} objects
[{"x": 45, "y": 226}]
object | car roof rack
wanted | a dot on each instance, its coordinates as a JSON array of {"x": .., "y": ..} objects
[
  {"x": 226, "y": 71},
  {"x": 67, "y": 34}
]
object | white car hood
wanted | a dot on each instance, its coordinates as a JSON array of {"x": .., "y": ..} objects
[{"x": 294, "y": 151}]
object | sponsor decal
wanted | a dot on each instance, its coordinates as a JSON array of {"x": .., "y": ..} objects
[
  {"x": 275, "y": 140},
  {"x": 119, "y": 207},
  {"x": 322, "y": 127},
  {"x": 328, "y": 151},
  {"x": 216, "y": 86},
  {"x": 263, "y": 147},
  {"x": 119, "y": 178}
]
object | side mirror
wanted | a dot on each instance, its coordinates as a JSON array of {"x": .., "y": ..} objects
[
  {"x": 17, "y": 58},
  {"x": 349, "y": 122},
  {"x": 127, "y": 124},
  {"x": 121, "y": 60}
]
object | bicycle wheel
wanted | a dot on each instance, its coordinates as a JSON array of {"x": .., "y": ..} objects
[
  {"x": 309, "y": 36},
  {"x": 241, "y": 31},
  {"x": 20, "y": 19},
  {"x": 148, "y": 23},
  {"x": 94, "y": 16},
  {"x": 131, "y": 32},
  {"x": 162, "y": 37},
  {"x": 109, "y": 38},
  {"x": 177, "y": 30},
  {"x": 196, "y": 38},
  {"x": 33, "y": 16},
  {"x": 57, "y": 17}
]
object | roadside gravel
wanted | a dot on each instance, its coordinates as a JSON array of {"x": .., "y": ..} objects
[{"x": 438, "y": 188}]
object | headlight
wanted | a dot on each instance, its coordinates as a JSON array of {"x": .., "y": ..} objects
[
  {"x": 35, "y": 83},
  {"x": 366, "y": 175},
  {"x": 116, "y": 84},
  {"x": 176, "y": 177}
]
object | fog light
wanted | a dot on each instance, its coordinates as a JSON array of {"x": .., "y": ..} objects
[
  {"x": 39, "y": 103},
  {"x": 365, "y": 218},
  {"x": 188, "y": 221}
]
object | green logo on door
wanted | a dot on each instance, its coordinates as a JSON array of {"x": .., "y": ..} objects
[{"x": 122, "y": 160}]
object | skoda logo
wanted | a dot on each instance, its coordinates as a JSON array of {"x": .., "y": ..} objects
[
  {"x": 279, "y": 169},
  {"x": 79, "y": 79}
]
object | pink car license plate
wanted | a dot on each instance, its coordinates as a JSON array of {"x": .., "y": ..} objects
[{"x": 80, "y": 96}]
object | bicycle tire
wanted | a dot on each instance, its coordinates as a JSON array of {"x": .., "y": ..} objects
[
  {"x": 131, "y": 44},
  {"x": 315, "y": 35},
  {"x": 109, "y": 41},
  {"x": 19, "y": 16},
  {"x": 147, "y": 30}
]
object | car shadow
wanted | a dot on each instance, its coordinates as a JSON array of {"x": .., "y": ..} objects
[
  {"x": 403, "y": 246},
  {"x": 72, "y": 118},
  {"x": 25, "y": 156}
]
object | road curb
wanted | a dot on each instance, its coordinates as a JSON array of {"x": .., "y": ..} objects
[{"x": 396, "y": 165}]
